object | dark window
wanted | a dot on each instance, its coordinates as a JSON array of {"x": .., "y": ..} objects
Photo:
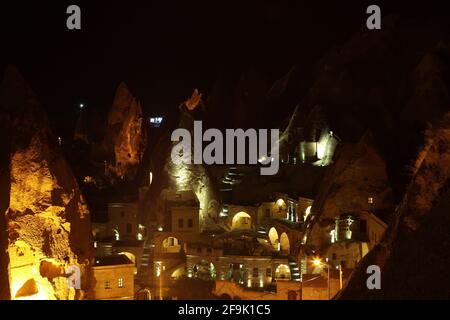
[
  {"x": 199, "y": 250},
  {"x": 190, "y": 223},
  {"x": 180, "y": 223},
  {"x": 129, "y": 228},
  {"x": 267, "y": 213},
  {"x": 334, "y": 256},
  {"x": 209, "y": 250},
  {"x": 268, "y": 272},
  {"x": 363, "y": 226},
  {"x": 255, "y": 272},
  {"x": 122, "y": 214}
]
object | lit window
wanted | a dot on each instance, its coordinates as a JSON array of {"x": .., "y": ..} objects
[
  {"x": 370, "y": 200},
  {"x": 120, "y": 283},
  {"x": 333, "y": 236},
  {"x": 107, "y": 285}
]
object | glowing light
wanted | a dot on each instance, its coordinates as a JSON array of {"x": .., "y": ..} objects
[
  {"x": 308, "y": 211},
  {"x": 241, "y": 220},
  {"x": 317, "y": 262},
  {"x": 333, "y": 236}
]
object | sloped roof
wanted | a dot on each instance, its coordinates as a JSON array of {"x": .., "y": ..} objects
[{"x": 114, "y": 260}]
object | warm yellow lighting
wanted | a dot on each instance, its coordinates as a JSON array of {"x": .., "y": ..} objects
[
  {"x": 317, "y": 262},
  {"x": 308, "y": 211},
  {"x": 241, "y": 220},
  {"x": 281, "y": 203}
]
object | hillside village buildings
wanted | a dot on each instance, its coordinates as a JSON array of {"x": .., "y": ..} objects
[{"x": 256, "y": 248}]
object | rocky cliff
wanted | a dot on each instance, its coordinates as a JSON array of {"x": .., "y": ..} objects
[
  {"x": 359, "y": 172},
  {"x": 415, "y": 251},
  {"x": 182, "y": 177},
  {"x": 126, "y": 137},
  {"x": 48, "y": 225}
]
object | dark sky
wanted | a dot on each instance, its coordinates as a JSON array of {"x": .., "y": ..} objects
[{"x": 164, "y": 49}]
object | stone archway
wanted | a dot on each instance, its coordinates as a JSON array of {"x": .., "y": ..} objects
[
  {"x": 285, "y": 246},
  {"x": 283, "y": 272},
  {"x": 241, "y": 221},
  {"x": 171, "y": 245},
  {"x": 274, "y": 239}
]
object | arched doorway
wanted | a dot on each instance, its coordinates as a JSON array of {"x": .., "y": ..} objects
[
  {"x": 283, "y": 272},
  {"x": 171, "y": 245},
  {"x": 284, "y": 244},
  {"x": 274, "y": 239},
  {"x": 280, "y": 209},
  {"x": 241, "y": 221}
]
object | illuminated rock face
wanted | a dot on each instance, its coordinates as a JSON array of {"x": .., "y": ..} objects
[
  {"x": 126, "y": 136},
  {"x": 47, "y": 221},
  {"x": 183, "y": 177},
  {"x": 358, "y": 174}
]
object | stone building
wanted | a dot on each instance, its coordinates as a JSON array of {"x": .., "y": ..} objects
[
  {"x": 113, "y": 278},
  {"x": 353, "y": 237}
]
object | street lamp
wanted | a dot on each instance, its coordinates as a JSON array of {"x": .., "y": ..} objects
[{"x": 318, "y": 263}]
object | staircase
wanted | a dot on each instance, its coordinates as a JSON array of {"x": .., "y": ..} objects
[
  {"x": 145, "y": 268},
  {"x": 295, "y": 270}
]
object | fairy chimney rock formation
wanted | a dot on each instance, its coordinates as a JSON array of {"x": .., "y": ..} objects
[
  {"x": 48, "y": 225},
  {"x": 126, "y": 137}
]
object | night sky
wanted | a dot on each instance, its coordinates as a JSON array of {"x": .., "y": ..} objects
[{"x": 165, "y": 49}]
